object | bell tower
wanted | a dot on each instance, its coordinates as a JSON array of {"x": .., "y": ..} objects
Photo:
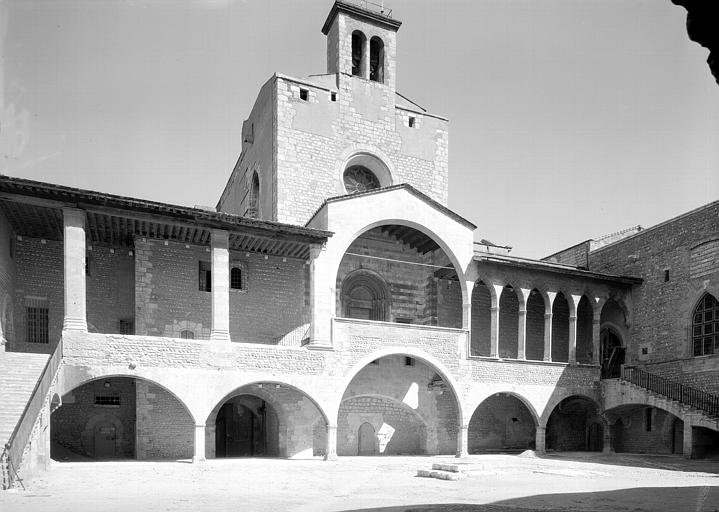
[{"x": 362, "y": 41}]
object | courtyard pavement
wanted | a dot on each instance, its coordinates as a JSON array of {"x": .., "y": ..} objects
[{"x": 497, "y": 483}]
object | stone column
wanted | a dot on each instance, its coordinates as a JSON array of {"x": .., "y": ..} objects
[
  {"x": 548, "y": 336},
  {"x": 463, "y": 441},
  {"x": 688, "y": 444},
  {"x": 220, "y": 286},
  {"x": 364, "y": 67},
  {"x": 607, "y": 439},
  {"x": 596, "y": 346},
  {"x": 467, "y": 319},
  {"x": 321, "y": 300},
  {"x": 331, "y": 451},
  {"x": 74, "y": 262},
  {"x": 573, "y": 339},
  {"x": 199, "y": 455},
  {"x": 540, "y": 440},
  {"x": 494, "y": 323}
]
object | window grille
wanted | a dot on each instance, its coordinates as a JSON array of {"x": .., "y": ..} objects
[
  {"x": 107, "y": 400},
  {"x": 37, "y": 321},
  {"x": 705, "y": 326},
  {"x": 205, "y": 284},
  {"x": 187, "y": 335},
  {"x": 236, "y": 278}
]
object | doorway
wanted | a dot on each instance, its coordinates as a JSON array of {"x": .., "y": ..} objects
[
  {"x": 612, "y": 354},
  {"x": 105, "y": 440},
  {"x": 366, "y": 440}
]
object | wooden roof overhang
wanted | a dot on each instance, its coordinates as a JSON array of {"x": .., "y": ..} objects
[{"x": 34, "y": 209}]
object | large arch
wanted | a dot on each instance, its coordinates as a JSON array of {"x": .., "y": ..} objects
[
  {"x": 641, "y": 428},
  {"x": 575, "y": 424},
  {"x": 120, "y": 416},
  {"x": 502, "y": 421},
  {"x": 295, "y": 424}
]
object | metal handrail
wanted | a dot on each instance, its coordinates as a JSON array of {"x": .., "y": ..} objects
[
  {"x": 15, "y": 446},
  {"x": 676, "y": 391}
]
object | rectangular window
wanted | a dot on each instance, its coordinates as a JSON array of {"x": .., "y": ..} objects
[
  {"x": 666, "y": 276},
  {"x": 37, "y": 324},
  {"x": 304, "y": 94},
  {"x": 409, "y": 361},
  {"x": 411, "y": 122},
  {"x": 107, "y": 400},
  {"x": 126, "y": 326},
  {"x": 205, "y": 284},
  {"x": 236, "y": 278},
  {"x": 333, "y": 96}
]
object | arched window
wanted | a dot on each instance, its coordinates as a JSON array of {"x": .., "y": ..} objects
[
  {"x": 376, "y": 60},
  {"x": 360, "y": 179},
  {"x": 366, "y": 296},
  {"x": 705, "y": 326},
  {"x": 187, "y": 335},
  {"x": 253, "y": 199},
  {"x": 358, "y": 42}
]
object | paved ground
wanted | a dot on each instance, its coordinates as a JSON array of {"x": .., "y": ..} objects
[{"x": 497, "y": 483}]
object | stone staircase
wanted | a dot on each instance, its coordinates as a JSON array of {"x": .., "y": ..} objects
[{"x": 19, "y": 373}]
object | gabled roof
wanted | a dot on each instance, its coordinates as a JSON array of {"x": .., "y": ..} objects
[{"x": 402, "y": 186}]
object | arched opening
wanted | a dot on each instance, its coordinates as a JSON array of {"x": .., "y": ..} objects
[
  {"x": 358, "y": 61},
  {"x": 612, "y": 353},
  {"x": 638, "y": 428},
  {"x": 508, "y": 323},
  {"x": 398, "y": 274},
  {"x": 560, "y": 329},
  {"x": 397, "y": 405},
  {"x": 501, "y": 423},
  {"x": 585, "y": 319},
  {"x": 266, "y": 419},
  {"x": 535, "y": 326},
  {"x": 705, "y": 326},
  {"x": 253, "y": 198},
  {"x": 363, "y": 172},
  {"x": 120, "y": 418},
  {"x": 570, "y": 426},
  {"x": 481, "y": 320},
  {"x": 365, "y": 295},
  {"x": 376, "y": 60}
]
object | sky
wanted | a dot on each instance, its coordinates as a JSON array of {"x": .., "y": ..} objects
[{"x": 569, "y": 119}]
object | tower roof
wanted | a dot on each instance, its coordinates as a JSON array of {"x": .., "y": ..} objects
[{"x": 362, "y": 9}]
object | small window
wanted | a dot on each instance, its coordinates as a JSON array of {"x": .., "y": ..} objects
[
  {"x": 187, "y": 335},
  {"x": 126, "y": 326},
  {"x": 358, "y": 64},
  {"x": 205, "y": 284},
  {"x": 376, "y": 60},
  {"x": 304, "y": 94},
  {"x": 411, "y": 122},
  {"x": 107, "y": 401},
  {"x": 645, "y": 351},
  {"x": 409, "y": 361},
  {"x": 666, "y": 276},
  {"x": 236, "y": 278},
  {"x": 37, "y": 325},
  {"x": 333, "y": 96}
]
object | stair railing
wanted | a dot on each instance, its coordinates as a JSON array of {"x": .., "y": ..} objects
[
  {"x": 15, "y": 447},
  {"x": 676, "y": 391}
]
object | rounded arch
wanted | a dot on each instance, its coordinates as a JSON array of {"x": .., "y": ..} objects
[
  {"x": 509, "y": 304},
  {"x": 358, "y": 56},
  {"x": 376, "y": 59},
  {"x": 556, "y": 400},
  {"x": 240, "y": 390},
  {"x": 534, "y": 347},
  {"x": 571, "y": 424},
  {"x": 502, "y": 421},
  {"x": 346, "y": 243},
  {"x": 525, "y": 401},
  {"x": 391, "y": 399},
  {"x": 368, "y": 156},
  {"x": 365, "y": 294},
  {"x": 253, "y": 196},
  {"x": 71, "y": 386},
  {"x": 429, "y": 360}
]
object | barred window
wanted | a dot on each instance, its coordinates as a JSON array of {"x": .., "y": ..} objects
[
  {"x": 236, "y": 278},
  {"x": 37, "y": 314},
  {"x": 705, "y": 326},
  {"x": 107, "y": 400},
  {"x": 187, "y": 335},
  {"x": 126, "y": 326},
  {"x": 205, "y": 284}
]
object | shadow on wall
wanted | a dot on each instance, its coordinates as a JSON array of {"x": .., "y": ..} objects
[{"x": 642, "y": 498}]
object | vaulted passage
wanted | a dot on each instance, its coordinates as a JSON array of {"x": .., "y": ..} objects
[
  {"x": 575, "y": 425},
  {"x": 120, "y": 418},
  {"x": 641, "y": 429},
  {"x": 501, "y": 423},
  {"x": 266, "y": 420},
  {"x": 398, "y": 274},
  {"x": 397, "y": 405}
]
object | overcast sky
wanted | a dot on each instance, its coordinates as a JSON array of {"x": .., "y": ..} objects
[{"x": 569, "y": 119}]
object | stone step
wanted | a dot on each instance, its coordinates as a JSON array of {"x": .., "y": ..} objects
[
  {"x": 442, "y": 475},
  {"x": 452, "y": 468}
]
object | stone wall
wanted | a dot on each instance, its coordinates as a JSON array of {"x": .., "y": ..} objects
[{"x": 165, "y": 430}]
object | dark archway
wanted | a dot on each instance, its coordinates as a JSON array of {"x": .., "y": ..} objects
[
  {"x": 585, "y": 320},
  {"x": 612, "y": 353},
  {"x": 120, "y": 418},
  {"x": 502, "y": 422},
  {"x": 358, "y": 57},
  {"x": 535, "y": 326},
  {"x": 376, "y": 60},
  {"x": 560, "y": 329},
  {"x": 481, "y": 320},
  {"x": 569, "y": 427},
  {"x": 508, "y": 323},
  {"x": 246, "y": 426}
]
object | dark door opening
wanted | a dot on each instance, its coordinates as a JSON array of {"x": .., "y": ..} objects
[
  {"x": 241, "y": 431},
  {"x": 612, "y": 354}
]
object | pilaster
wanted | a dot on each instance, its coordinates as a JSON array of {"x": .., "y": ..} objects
[
  {"x": 463, "y": 441},
  {"x": 199, "y": 455},
  {"x": 331, "y": 451},
  {"x": 74, "y": 271},
  {"x": 220, "y": 286}
]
